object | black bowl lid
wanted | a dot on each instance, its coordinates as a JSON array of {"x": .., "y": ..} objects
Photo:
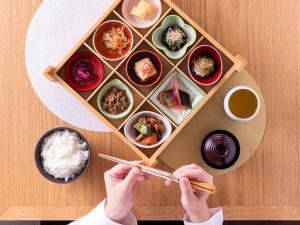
[{"x": 220, "y": 149}]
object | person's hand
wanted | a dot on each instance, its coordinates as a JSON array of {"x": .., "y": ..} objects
[
  {"x": 120, "y": 183},
  {"x": 193, "y": 201}
]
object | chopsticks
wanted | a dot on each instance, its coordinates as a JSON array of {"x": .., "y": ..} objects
[{"x": 205, "y": 187}]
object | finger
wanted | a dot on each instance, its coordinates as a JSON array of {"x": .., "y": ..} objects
[
  {"x": 119, "y": 169},
  {"x": 168, "y": 182},
  {"x": 183, "y": 168},
  {"x": 117, "y": 172},
  {"x": 142, "y": 179},
  {"x": 148, "y": 176},
  {"x": 132, "y": 176},
  {"x": 186, "y": 189},
  {"x": 196, "y": 174}
]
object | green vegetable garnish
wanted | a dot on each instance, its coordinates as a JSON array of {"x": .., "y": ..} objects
[{"x": 143, "y": 129}]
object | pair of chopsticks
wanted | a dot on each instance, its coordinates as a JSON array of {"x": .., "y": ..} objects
[{"x": 209, "y": 188}]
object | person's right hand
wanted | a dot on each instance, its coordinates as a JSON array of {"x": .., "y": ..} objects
[
  {"x": 193, "y": 201},
  {"x": 120, "y": 183}
]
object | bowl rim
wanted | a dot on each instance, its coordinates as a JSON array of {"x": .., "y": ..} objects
[
  {"x": 69, "y": 66},
  {"x": 153, "y": 114},
  {"x": 227, "y": 98},
  {"x": 221, "y": 60},
  {"x": 143, "y": 26},
  {"x": 131, "y": 34},
  {"x": 128, "y": 92},
  {"x": 38, "y": 159},
  {"x": 169, "y": 53},
  {"x": 157, "y": 59}
]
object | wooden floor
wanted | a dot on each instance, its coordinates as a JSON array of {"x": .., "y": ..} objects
[{"x": 167, "y": 223}]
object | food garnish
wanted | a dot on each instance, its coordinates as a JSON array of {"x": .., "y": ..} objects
[
  {"x": 176, "y": 96},
  {"x": 115, "y": 39},
  {"x": 203, "y": 66},
  {"x": 174, "y": 38}
]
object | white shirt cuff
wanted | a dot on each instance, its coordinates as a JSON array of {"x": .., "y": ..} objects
[
  {"x": 216, "y": 219},
  {"x": 98, "y": 217}
]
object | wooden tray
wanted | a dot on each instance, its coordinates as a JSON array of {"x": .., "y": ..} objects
[
  {"x": 116, "y": 69},
  {"x": 212, "y": 117}
]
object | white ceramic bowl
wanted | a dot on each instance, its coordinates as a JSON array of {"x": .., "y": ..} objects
[
  {"x": 128, "y": 5},
  {"x": 130, "y": 132},
  {"x": 228, "y": 111}
]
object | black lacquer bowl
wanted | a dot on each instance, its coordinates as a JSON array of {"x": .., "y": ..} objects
[
  {"x": 220, "y": 149},
  {"x": 38, "y": 157}
]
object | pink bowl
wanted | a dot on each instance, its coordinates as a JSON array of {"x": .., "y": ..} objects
[{"x": 211, "y": 52}]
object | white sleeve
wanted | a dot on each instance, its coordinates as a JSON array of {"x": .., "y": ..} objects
[
  {"x": 216, "y": 219},
  {"x": 98, "y": 217}
]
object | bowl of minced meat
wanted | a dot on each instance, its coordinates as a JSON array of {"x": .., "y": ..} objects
[{"x": 62, "y": 155}]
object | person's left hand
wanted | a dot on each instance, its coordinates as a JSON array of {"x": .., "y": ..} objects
[{"x": 120, "y": 183}]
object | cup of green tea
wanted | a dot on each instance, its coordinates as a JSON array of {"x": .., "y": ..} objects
[{"x": 242, "y": 104}]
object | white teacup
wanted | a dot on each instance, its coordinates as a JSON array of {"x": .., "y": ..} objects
[{"x": 228, "y": 110}]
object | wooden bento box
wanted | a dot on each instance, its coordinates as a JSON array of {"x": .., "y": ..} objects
[{"x": 142, "y": 40}]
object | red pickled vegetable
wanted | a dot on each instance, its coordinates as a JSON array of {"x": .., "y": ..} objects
[
  {"x": 176, "y": 96},
  {"x": 84, "y": 73}
]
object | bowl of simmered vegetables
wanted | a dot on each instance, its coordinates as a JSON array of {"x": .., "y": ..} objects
[{"x": 147, "y": 129}]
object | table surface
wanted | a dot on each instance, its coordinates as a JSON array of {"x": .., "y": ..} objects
[{"x": 266, "y": 187}]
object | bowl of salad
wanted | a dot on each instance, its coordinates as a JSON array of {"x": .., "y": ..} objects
[
  {"x": 174, "y": 37},
  {"x": 113, "y": 40}
]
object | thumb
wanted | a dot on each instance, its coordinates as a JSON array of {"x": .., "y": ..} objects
[
  {"x": 186, "y": 189},
  {"x": 132, "y": 177}
]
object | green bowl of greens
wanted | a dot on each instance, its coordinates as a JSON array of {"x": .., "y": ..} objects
[{"x": 174, "y": 37}]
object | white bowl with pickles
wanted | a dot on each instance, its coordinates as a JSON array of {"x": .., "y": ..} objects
[{"x": 147, "y": 129}]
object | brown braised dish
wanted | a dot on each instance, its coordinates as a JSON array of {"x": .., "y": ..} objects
[
  {"x": 115, "y": 101},
  {"x": 149, "y": 130}
]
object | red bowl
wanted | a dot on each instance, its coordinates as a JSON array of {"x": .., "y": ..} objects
[
  {"x": 70, "y": 73},
  {"x": 99, "y": 44},
  {"x": 211, "y": 52},
  {"x": 131, "y": 75}
]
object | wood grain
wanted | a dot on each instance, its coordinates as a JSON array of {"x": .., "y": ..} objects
[{"x": 265, "y": 32}]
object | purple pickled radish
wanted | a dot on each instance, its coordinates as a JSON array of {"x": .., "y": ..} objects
[{"x": 83, "y": 73}]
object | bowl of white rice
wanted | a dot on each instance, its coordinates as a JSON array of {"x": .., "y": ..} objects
[{"x": 62, "y": 155}]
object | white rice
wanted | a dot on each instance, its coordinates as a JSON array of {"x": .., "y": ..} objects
[{"x": 64, "y": 154}]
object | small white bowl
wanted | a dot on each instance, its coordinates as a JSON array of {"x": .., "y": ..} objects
[
  {"x": 228, "y": 111},
  {"x": 130, "y": 132},
  {"x": 128, "y": 5}
]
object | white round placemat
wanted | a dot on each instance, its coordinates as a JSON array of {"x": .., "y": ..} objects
[{"x": 55, "y": 28}]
